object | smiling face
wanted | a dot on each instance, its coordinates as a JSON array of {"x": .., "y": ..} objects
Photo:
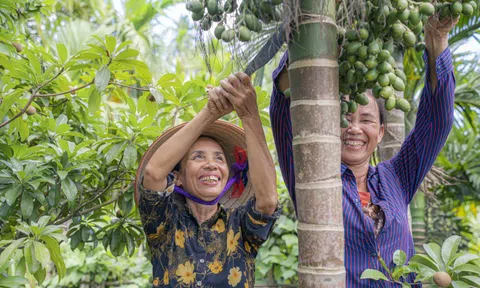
[
  {"x": 362, "y": 135},
  {"x": 204, "y": 169}
]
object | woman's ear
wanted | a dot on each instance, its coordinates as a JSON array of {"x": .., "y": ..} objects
[
  {"x": 381, "y": 133},
  {"x": 176, "y": 179}
]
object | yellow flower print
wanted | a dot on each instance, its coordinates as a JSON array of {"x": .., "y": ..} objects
[
  {"x": 160, "y": 228},
  {"x": 219, "y": 226},
  {"x": 247, "y": 247},
  {"x": 234, "y": 277},
  {"x": 179, "y": 238},
  {"x": 185, "y": 272},
  {"x": 216, "y": 267},
  {"x": 156, "y": 282},
  {"x": 232, "y": 241},
  {"x": 246, "y": 285},
  {"x": 165, "y": 278}
]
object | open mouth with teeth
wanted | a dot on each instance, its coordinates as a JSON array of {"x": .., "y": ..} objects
[
  {"x": 209, "y": 180},
  {"x": 354, "y": 144}
]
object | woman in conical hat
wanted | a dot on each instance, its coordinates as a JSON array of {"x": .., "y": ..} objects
[{"x": 206, "y": 191}]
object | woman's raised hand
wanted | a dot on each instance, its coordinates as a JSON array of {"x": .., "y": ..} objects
[
  {"x": 217, "y": 104},
  {"x": 239, "y": 91}
]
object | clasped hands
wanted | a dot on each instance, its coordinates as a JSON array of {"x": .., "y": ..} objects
[{"x": 235, "y": 92}]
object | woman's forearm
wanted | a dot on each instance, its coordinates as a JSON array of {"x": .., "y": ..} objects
[
  {"x": 261, "y": 167},
  {"x": 172, "y": 151}
]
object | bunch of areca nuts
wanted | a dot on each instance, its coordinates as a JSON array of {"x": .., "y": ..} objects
[
  {"x": 366, "y": 60},
  {"x": 249, "y": 17}
]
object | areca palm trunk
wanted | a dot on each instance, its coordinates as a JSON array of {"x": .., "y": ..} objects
[{"x": 315, "y": 112}]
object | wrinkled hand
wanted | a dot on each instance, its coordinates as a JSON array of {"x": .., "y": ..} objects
[
  {"x": 217, "y": 104},
  {"x": 239, "y": 91},
  {"x": 437, "y": 29}
]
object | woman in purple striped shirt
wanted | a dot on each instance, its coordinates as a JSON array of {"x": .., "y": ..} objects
[{"x": 375, "y": 199}]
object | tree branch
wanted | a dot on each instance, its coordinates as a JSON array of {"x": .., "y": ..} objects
[
  {"x": 132, "y": 87},
  {"x": 65, "y": 92}
]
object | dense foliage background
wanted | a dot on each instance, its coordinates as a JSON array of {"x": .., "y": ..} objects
[{"x": 86, "y": 86}]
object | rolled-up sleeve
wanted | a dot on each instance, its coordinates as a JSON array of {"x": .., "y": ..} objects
[
  {"x": 256, "y": 227},
  {"x": 434, "y": 122},
  {"x": 282, "y": 129},
  {"x": 153, "y": 206}
]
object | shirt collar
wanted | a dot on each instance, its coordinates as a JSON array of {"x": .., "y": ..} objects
[{"x": 371, "y": 170}]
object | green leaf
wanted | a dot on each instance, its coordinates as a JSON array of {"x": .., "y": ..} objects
[
  {"x": 128, "y": 53},
  {"x": 459, "y": 284},
  {"x": 464, "y": 259},
  {"x": 94, "y": 101},
  {"x": 434, "y": 251},
  {"x": 13, "y": 281},
  {"x": 467, "y": 268},
  {"x": 31, "y": 262},
  {"x": 406, "y": 285},
  {"x": 62, "y": 52},
  {"x": 102, "y": 78},
  {"x": 69, "y": 189},
  {"x": 123, "y": 44},
  {"x": 373, "y": 274},
  {"x": 472, "y": 280},
  {"x": 227, "y": 70},
  {"x": 26, "y": 205},
  {"x": 399, "y": 257},
  {"x": 22, "y": 129},
  {"x": 55, "y": 254},
  {"x": 114, "y": 152},
  {"x": 424, "y": 260},
  {"x": 41, "y": 253},
  {"x": 449, "y": 248},
  {"x": 111, "y": 43},
  {"x": 12, "y": 193},
  {"x": 9, "y": 250},
  {"x": 62, "y": 174},
  {"x": 130, "y": 156},
  {"x": 40, "y": 275}
]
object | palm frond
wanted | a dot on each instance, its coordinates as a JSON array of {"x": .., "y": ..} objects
[{"x": 466, "y": 27}]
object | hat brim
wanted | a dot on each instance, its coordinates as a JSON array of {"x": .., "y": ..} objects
[{"x": 228, "y": 136}]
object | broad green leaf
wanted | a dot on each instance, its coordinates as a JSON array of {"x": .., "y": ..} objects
[
  {"x": 167, "y": 80},
  {"x": 62, "y": 174},
  {"x": 62, "y": 52},
  {"x": 399, "y": 257},
  {"x": 111, "y": 43},
  {"x": 424, "y": 273},
  {"x": 397, "y": 272},
  {"x": 40, "y": 275},
  {"x": 22, "y": 129},
  {"x": 102, "y": 78},
  {"x": 31, "y": 262},
  {"x": 12, "y": 193},
  {"x": 9, "y": 250},
  {"x": 406, "y": 285},
  {"x": 34, "y": 62},
  {"x": 434, "y": 251},
  {"x": 459, "y": 284},
  {"x": 94, "y": 101},
  {"x": 69, "y": 189},
  {"x": 13, "y": 281},
  {"x": 449, "y": 248},
  {"x": 26, "y": 205},
  {"x": 130, "y": 156},
  {"x": 467, "y": 268},
  {"x": 128, "y": 53},
  {"x": 227, "y": 70},
  {"x": 123, "y": 44},
  {"x": 472, "y": 280},
  {"x": 41, "y": 253},
  {"x": 464, "y": 259},
  {"x": 55, "y": 254},
  {"x": 373, "y": 274},
  {"x": 114, "y": 152}
]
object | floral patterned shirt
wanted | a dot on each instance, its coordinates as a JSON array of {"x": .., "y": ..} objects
[{"x": 220, "y": 252}]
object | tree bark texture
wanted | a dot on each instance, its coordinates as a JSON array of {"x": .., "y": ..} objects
[{"x": 315, "y": 112}]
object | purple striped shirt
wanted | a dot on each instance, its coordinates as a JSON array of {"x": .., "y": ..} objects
[{"x": 392, "y": 183}]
